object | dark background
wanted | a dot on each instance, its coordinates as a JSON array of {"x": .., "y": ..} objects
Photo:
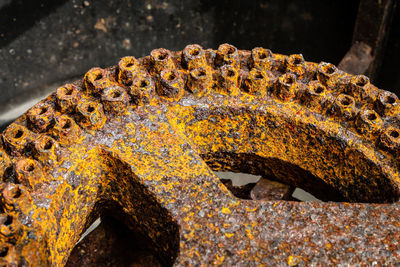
[{"x": 47, "y": 42}]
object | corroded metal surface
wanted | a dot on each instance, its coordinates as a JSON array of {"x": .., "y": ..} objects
[
  {"x": 113, "y": 244},
  {"x": 139, "y": 141}
]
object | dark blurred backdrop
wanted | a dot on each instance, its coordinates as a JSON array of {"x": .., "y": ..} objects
[{"x": 46, "y": 42}]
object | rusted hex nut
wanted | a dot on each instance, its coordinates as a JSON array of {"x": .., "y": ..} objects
[
  {"x": 141, "y": 89},
  {"x": 8, "y": 255},
  {"x": 193, "y": 56},
  {"x": 368, "y": 123},
  {"x": 9, "y": 225},
  {"x": 228, "y": 80},
  {"x": 91, "y": 114},
  {"x": 199, "y": 81},
  {"x": 67, "y": 130},
  {"x": 296, "y": 64},
  {"x": 386, "y": 103},
  {"x": 344, "y": 106},
  {"x": 227, "y": 55},
  {"x": 67, "y": 97},
  {"x": 314, "y": 94},
  {"x": 390, "y": 140},
  {"x": 127, "y": 67},
  {"x": 286, "y": 86},
  {"x": 261, "y": 58},
  {"x": 16, "y": 196},
  {"x": 115, "y": 100},
  {"x": 41, "y": 116},
  {"x": 17, "y": 138},
  {"x": 46, "y": 149},
  {"x": 325, "y": 72},
  {"x": 161, "y": 59},
  {"x": 29, "y": 172},
  {"x": 170, "y": 85},
  {"x": 5, "y": 163},
  {"x": 256, "y": 83},
  {"x": 96, "y": 81},
  {"x": 361, "y": 89}
]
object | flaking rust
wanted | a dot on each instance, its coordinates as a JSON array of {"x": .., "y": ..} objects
[{"x": 139, "y": 141}]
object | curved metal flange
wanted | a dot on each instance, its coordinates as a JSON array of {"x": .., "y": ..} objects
[{"x": 138, "y": 140}]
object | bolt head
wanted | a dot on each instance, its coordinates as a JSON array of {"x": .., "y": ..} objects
[
  {"x": 115, "y": 100},
  {"x": 91, "y": 114},
  {"x": 161, "y": 59},
  {"x": 142, "y": 89},
  {"x": 325, "y": 72},
  {"x": 368, "y": 123},
  {"x": 344, "y": 107},
  {"x": 390, "y": 140},
  {"x": 29, "y": 172},
  {"x": 296, "y": 64},
  {"x": 261, "y": 58},
  {"x": 286, "y": 86},
  {"x": 200, "y": 81},
  {"x": 127, "y": 68},
  {"x": 227, "y": 55},
  {"x": 170, "y": 85},
  {"x": 41, "y": 116},
  {"x": 228, "y": 80},
  {"x": 193, "y": 56},
  {"x": 67, "y": 130},
  {"x": 67, "y": 97}
]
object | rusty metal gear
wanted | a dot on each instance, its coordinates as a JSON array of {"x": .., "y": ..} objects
[{"x": 139, "y": 141}]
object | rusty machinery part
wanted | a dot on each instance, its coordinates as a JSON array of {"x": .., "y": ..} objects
[{"x": 139, "y": 141}]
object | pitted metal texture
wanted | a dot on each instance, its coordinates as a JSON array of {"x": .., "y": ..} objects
[{"x": 140, "y": 141}]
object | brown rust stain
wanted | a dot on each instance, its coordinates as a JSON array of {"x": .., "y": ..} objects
[{"x": 140, "y": 140}]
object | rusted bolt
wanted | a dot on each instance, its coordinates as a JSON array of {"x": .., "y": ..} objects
[
  {"x": 9, "y": 225},
  {"x": 41, "y": 116},
  {"x": 66, "y": 129},
  {"x": 368, "y": 123},
  {"x": 386, "y": 103},
  {"x": 256, "y": 83},
  {"x": 390, "y": 140},
  {"x": 315, "y": 94},
  {"x": 96, "y": 80},
  {"x": 141, "y": 89},
  {"x": 325, "y": 72},
  {"x": 14, "y": 196},
  {"x": 16, "y": 137},
  {"x": 115, "y": 100},
  {"x": 360, "y": 89},
  {"x": 171, "y": 84},
  {"x": 199, "y": 81},
  {"x": 296, "y": 64},
  {"x": 29, "y": 172},
  {"x": 91, "y": 114},
  {"x": 227, "y": 55},
  {"x": 161, "y": 59},
  {"x": 261, "y": 58},
  {"x": 344, "y": 106},
  {"x": 46, "y": 149},
  {"x": 67, "y": 97},
  {"x": 5, "y": 163},
  {"x": 193, "y": 56},
  {"x": 286, "y": 86},
  {"x": 8, "y": 256},
  {"x": 228, "y": 80},
  {"x": 127, "y": 68}
]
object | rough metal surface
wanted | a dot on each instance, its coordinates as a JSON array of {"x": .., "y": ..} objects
[
  {"x": 113, "y": 244},
  {"x": 140, "y": 141}
]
